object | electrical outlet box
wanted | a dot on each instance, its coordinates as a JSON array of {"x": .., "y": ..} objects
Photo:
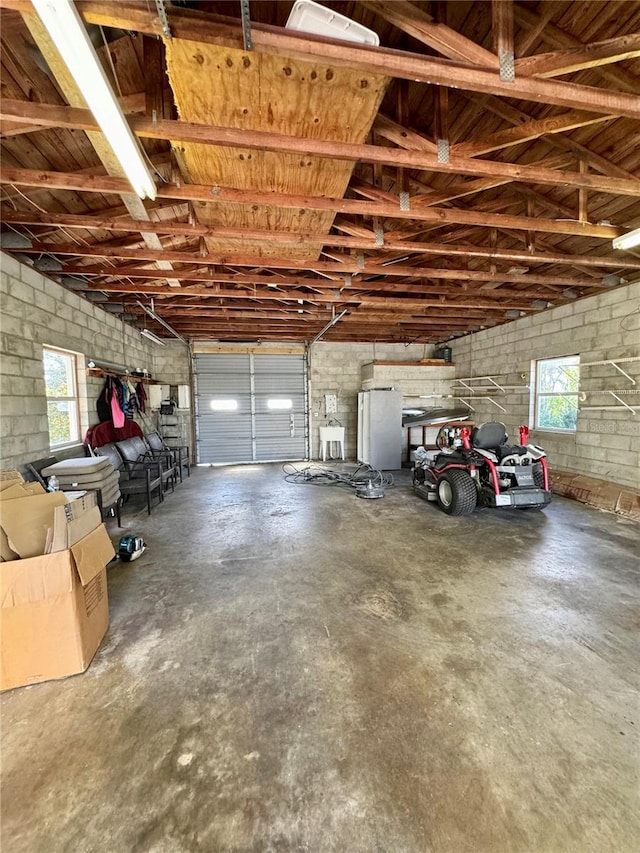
[{"x": 330, "y": 404}]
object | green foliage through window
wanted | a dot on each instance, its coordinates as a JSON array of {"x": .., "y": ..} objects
[
  {"x": 557, "y": 384},
  {"x": 62, "y": 403}
]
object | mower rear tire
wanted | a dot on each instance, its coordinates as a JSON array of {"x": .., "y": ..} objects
[
  {"x": 538, "y": 475},
  {"x": 457, "y": 494}
]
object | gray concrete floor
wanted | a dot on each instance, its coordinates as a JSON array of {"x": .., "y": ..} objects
[{"x": 291, "y": 668}]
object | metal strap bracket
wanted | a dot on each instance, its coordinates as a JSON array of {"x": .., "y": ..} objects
[
  {"x": 246, "y": 25},
  {"x": 443, "y": 151},
  {"x": 164, "y": 21},
  {"x": 507, "y": 66}
]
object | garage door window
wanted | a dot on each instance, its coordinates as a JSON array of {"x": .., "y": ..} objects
[
  {"x": 557, "y": 385},
  {"x": 223, "y": 405},
  {"x": 62, "y": 397}
]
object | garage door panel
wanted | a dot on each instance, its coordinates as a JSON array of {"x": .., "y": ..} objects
[{"x": 251, "y": 407}]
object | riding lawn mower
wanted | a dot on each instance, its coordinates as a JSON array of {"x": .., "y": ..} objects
[{"x": 477, "y": 467}]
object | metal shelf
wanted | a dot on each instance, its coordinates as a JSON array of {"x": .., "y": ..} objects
[
  {"x": 490, "y": 384},
  {"x": 479, "y": 392},
  {"x": 616, "y": 392}
]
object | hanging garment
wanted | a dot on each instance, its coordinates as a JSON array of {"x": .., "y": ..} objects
[
  {"x": 141, "y": 394},
  {"x": 125, "y": 403},
  {"x": 105, "y": 432},
  {"x": 103, "y": 403},
  {"x": 117, "y": 415},
  {"x": 132, "y": 400}
]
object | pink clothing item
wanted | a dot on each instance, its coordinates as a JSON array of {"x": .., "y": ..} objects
[{"x": 116, "y": 412}]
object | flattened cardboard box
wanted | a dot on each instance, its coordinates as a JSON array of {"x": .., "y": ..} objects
[{"x": 55, "y": 611}]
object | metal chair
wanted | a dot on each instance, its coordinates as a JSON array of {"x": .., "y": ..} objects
[
  {"x": 137, "y": 477},
  {"x": 181, "y": 452},
  {"x": 135, "y": 450}
]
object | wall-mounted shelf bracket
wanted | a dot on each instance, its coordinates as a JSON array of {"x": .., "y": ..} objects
[
  {"x": 479, "y": 397},
  {"x": 615, "y": 362},
  {"x": 465, "y": 380},
  {"x": 615, "y": 393}
]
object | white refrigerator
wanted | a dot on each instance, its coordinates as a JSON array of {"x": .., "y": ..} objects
[{"x": 380, "y": 429}]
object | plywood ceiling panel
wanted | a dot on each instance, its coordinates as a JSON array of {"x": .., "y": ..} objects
[{"x": 223, "y": 86}]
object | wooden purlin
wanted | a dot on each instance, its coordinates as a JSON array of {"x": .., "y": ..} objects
[{"x": 221, "y": 85}]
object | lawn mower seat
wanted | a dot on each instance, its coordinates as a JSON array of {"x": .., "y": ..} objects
[{"x": 493, "y": 436}]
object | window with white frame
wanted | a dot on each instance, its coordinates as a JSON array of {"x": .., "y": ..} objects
[
  {"x": 556, "y": 399},
  {"x": 62, "y": 396}
]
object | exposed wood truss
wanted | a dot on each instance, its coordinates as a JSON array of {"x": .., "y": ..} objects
[{"x": 479, "y": 161}]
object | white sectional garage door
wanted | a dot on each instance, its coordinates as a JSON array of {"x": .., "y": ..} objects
[{"x": 251, "y": 407}]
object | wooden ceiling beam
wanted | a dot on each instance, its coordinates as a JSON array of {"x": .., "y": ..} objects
[
  {"x": 561, "y": 40},
  {"x": 371, "y": 267},
  {"x": 422, "y": 27},
  {"x": 442, "y": 216},
  {"x": 502, "y": 20},
  {"x": 593, "y": 55},
  {"x": 200, "y": 26},
  {"x": 502, "y": 256},
  {"x": 212, "y": 308},
  {"x": 358, "y": 276},
  {"x": 387, "y": 206},
  {"x": 528, "y": 36},
  {"x": 72, "y": 117},
  {"x": 516, "y": 301},
  {"x": 517, "y": 117},
  {"x": 402, "y": 136},
  {"x": 533, "y": 129},
  {"x": 364, "y": 314},
  {"x": 404, "y": 247},
  {"x": 129, "y": 104}
]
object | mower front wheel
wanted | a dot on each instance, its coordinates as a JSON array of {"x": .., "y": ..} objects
[{"x": 457, "y": 494}]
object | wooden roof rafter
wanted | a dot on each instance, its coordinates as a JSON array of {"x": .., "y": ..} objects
[{"x": 530, "y": 178}]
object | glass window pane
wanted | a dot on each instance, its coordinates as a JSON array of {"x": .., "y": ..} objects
[
  {"x": 60, "y": 422},
  {"x": 558, "y": 375},
  {"x": 557, "y": 412},
  {"x": 224, "y": 405},
  {"x": 58, "y": 376},
  {"x": 60, "y": 383}
]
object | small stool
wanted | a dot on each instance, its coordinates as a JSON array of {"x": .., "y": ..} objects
[{"x": 328, "y": 436}]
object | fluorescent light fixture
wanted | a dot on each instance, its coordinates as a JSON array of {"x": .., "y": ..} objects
[
  {"x": 162, "y": 322},
  {"x": 151, "y": 336},
  {"x": 627, "y": 241},
  {"x": 64, "y": 25}
]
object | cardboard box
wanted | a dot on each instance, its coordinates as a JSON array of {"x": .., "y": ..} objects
[
  {"x": 55, "y": 611},
  {"x": 26, "y": 520},
  {"x": 27, "y": 528}
]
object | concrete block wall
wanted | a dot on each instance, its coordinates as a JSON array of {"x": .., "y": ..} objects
[
  {"x": 35, "y": 311},
  {"x": 606, "y": 444},
  {"x": 336, "y": 368}
]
